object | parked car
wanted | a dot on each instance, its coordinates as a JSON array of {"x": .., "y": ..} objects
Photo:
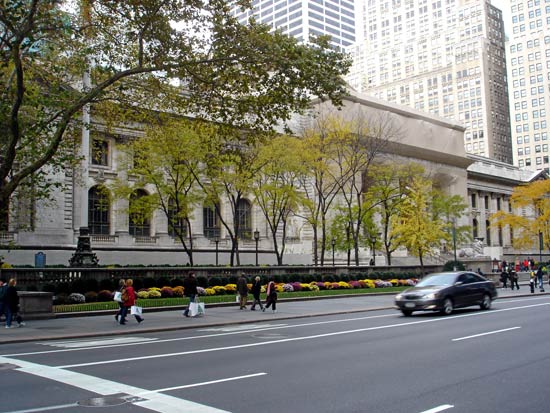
[{"x": 446, "y": 291}]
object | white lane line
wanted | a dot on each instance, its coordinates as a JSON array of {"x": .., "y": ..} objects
[
  {"x": 71, "y": 344},
  {"x": 271, "y": 327},
  {"x": 439, "y": 408},
  {"x": 287, "y": 340},
  {"x": 230, "y": 329},
  {"x": 485, "y": 334},
  {"x": 45, "y": 409},
  {"x": 156, "y": 402},
  {"x": 204, "y": 383}
]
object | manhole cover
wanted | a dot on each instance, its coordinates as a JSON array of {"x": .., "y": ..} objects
[
  {"x": 103, "y": 401},
  {"x": 269, "y": 336}
]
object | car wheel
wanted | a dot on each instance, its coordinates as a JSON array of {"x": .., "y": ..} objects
[
  {"x": 448, "y": 306},
  {"x": 407, "y": 313},
  {"x": 486, "y": 302}
]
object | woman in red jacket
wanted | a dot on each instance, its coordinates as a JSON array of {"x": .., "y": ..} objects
[{"x": 128, "y": 300}]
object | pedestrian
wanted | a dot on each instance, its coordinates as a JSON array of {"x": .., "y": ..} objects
[
  {"x": 271, "y": 299},
  {"x": 242, "y": 289},
  {"x": 539, "y": 276},
  {"x": 121, "y": 287},
  {"x": 504, "y": 278},
  {"x": 190, "y": 290},
  {"x": 11, "y": 304},
  {"x": 256, "y": 291},
  {"x": 514, "y": 279},
  {"x": 479, "y": 271},
  {"x": 129, "y": 300},
  {"x": 532, "y": 281},
  {"x": 3, "y": 289}
]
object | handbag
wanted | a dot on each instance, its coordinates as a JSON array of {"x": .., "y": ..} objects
[
  {"x": 117, "y": 297},
  {"x": 237, "y": 298},
  {"x": 196, "y": 308},
  {"x": 135, "y": 310}
]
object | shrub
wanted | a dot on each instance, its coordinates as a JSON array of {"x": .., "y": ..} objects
[
  {"x": 219, "y": 289},
  {"x": 277, "y": 279},
  {"x": 214, "y": 281},
  {"x": 149, "y": 282},
  {"x": 174, "y": 282},
  {"x": 154, "y": 293},
  {"x": 449, "y": 266},
  {"x": 76, "y": 298},
  {"x": 201, "y": 291},
  {"x": 162, "y": 281},
  {"x": 166, "y": 292},
  {"x": 202, "y": 281},
  {"x": 91, "y": 296},
  {"x": 49, "y": 288},
  {"x": 355, "y": 284},
  {"x": 328, "y": 278},
  {"x": 233, "y": 279},
  {"x": 210, "y": 291},
  {"x": 344, "y": 277},
  {"x": 107, "y": 284},
  {"x": 231, "y": 288},
  {"x": 143, "y": 294},
  {"x": 104, "y": 295},
  {"x": 178, "y": 291},
  {"x": 61, "y": 298},
  {"x": 91, "y": 284},
  {"x": 138, "y": 284},
  {"x": 288, "y": 288},
  {"x": 297, "y": 286}
]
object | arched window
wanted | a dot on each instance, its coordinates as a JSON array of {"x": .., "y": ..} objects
[
  {"x": 475, "y": 226},
  {"x": 210, "y": 222},
  {"x": 488, "y": 232},
  {"x": 244, "y": 219},
  {"x": 140, "y": 221},
  {"x": 98, "y": 211},
  {"x": 176, "y": 224}
]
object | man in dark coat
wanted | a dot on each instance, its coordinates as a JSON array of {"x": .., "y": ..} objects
[
  {"x": 242, "y": 289},
  {"x": 190, "y": 290}
]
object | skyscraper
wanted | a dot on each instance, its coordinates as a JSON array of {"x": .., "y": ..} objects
[
  {"x": 528, "y": 53},
  {"x": 446, "y": 57},
  {"x": 301, "y": 19}
]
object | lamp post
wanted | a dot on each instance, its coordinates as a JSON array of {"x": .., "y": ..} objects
[
  {"x": 541, "y": 242},
  {"x": 454, "y": 240},
  {"x": 217, "y": 241},
  {"x": 373, "y": 240},
  {"x": 333, "y": 243},
  {"x": 256, "y": 238}
]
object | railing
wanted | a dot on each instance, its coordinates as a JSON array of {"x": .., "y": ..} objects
[
  {"x": 105, "y": 239},
  {"x": 39, "y": 277},
  {"x": 7, "y": 236},
  {"x": 142, "y": 239}
]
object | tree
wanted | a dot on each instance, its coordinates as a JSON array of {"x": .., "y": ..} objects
[
  {"x": 450, "y": 208},
  {"x": 387, "y": 188},
  {"x": 534, "y": 199},
  {"x": 276, "y": 187},
  {"x": 129, "y": 53},
  {"x": 416, "y": 226},
  {"x": 166, "y": 159}
]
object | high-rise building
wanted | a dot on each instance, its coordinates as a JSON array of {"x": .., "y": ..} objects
[
  {"x": 446, "y": 57},
  {"x": 301, "y": 18},
  {"x": 528, "y": 55}
]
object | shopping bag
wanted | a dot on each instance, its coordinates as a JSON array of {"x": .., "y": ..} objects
[
  {"x": 196, "y": 309},
  {"x": 135, "y": 310},
  {"x": 238, "y": 298},
  {"x": 118, "y": 296}
]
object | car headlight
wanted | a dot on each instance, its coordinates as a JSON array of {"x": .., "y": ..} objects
[
  {"x": 430, "y": 296},
  {"x": 398, "y": 297}
]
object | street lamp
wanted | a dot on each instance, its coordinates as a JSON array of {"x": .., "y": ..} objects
[
  {"x": 373, "y": 240},
  {"x": 217, "y": 241},
  {"x": 454, "y": 239},
  {"x": 333, "y": 243},
  {"x": 256, "y": 238}
]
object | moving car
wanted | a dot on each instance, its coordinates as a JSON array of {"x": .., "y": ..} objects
[{"x": 446, "y": 291}]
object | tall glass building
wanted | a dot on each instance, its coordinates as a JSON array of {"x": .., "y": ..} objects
[
  {"x": 528, "y": 52},
  {"x": 303, "y": 18},
  {"x": 446, "y": 57}
]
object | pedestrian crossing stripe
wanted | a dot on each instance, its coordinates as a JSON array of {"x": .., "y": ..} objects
[{"x": 95, "y": 343}]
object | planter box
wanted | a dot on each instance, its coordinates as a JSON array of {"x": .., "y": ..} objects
[{"x": 35, "y": 305}]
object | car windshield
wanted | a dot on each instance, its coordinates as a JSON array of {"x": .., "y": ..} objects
[{"x": 437, "y": 280}]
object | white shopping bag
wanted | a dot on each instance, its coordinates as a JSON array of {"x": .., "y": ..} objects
[
  {"x": 118, "y": 296},
  {"x": 196, "y": 309},
  {"x": 135, "y": 310},
  {"x": 238, "y": 298}
]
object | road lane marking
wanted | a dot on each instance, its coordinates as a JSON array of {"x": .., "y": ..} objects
[
  {"x": 239, "y": 328},
  {"x": 157, "y": 402},
  {"x": 439, "y": 408},
  {"x": 167, "y": 340},
  {"x": 204, "y": 383},
  {"x": 485, "y": 334},
  {"x": 45, "y": 409},
  {"x": 72, "y": 344},
  {"x": 288, "y": 340}
]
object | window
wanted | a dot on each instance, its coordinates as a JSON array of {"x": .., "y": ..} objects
[
  {"x": 140, "y": 221},
  {"x": 475, "y": 227},
  {"x": 474, "y": 204},
  {"x": 210, "y": 222},
  {"x": 488, "y": 232},
  {"x": 177, "y": 225},
  {"x": 98, "y": 211},
  {"x": 100, "y": 152},
  {"x": 486, "y": 201},
  {"x": 244, "y": 219}
]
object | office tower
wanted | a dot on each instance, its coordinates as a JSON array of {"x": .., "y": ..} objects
[
  {"x": 528, "y": 55},
  {"x": 301, "y": 18},
  {"x": 446, "y": 57}
]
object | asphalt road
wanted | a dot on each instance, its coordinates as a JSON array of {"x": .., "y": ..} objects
[{"x": 377, "y": 361}]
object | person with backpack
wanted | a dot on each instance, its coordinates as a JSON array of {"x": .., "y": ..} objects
[
  {"x": 504, "y": 278},
  {"x": 514, "y": 279},
  {"x": 271, "y": 299}
]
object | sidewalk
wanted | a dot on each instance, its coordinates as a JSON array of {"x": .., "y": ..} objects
[{"x": 216, "y": 316}]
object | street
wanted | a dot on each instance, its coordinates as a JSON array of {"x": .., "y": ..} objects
[{"x": 377, "y": 361}]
